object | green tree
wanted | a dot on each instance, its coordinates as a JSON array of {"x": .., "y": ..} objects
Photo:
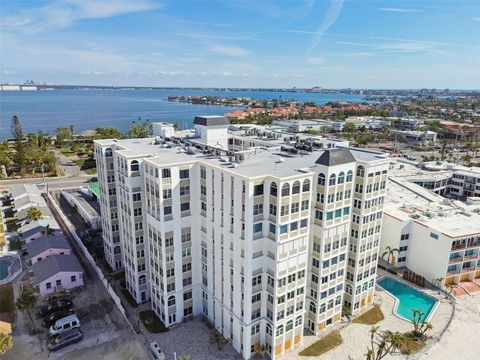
[
  {"x": 64, "y": 135},
  {"x": 390, "y": 254},
  {"x": 140, "y": 130},
  {"x": 184, "y": 357},
  {"x": 382, "y": 343},
  {"x": 34, "y": 214},
  {"x": 217, "y": 339},
  {"x": 420, "y": 326},
  {"x": 108, "y": 133},
  {"x": 26, "y": 302},
  {"x": 6, "y": 342},
  {"x": 20, "y": 157},
  {"x": 349, "y": 128}
]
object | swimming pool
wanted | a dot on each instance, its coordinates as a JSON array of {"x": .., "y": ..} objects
[{"x": 408, "y": 298}]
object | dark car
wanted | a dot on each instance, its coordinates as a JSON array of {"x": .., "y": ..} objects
[
  {"x": 64, "y": 339},
  {"x": 55, "y": 305},
  {"x": 50, "y": 319}
]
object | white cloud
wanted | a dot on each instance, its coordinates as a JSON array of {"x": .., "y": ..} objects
[
  {"x": 233, "y": 51},
  {"x": 316, "y": 60},
  {"x": 331, "y": 16},
  {"x": 64, "y": 14},
  {"x": 399, "y": 10}
]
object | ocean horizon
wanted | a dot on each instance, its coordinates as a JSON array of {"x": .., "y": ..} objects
[{"x": 91, "y": 108}]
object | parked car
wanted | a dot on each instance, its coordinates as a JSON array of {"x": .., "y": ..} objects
[
  {"x": 64, "y": 339},
  {"x": 55, "y": 305},
  {"x": 53, "y": 317},
  {"x": 64, "y": 324},
  {"x": 157, "y": 353}
]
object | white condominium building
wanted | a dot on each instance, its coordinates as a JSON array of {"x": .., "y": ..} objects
[
  {"x": 436, "y": 237},
  {"x": 264, "y": 234}
]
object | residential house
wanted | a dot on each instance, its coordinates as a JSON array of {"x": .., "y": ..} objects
[{"x": 57, "y": 272}]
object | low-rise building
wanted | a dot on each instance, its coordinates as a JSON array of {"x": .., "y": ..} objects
[
  {"x": 56, "y": 273},
  {"x": 22, "y": 190},
  {"x": 46, "y": 246},
  {"x": 37, "y": 229},
  {"x": 435, "y": 237},
  {"x": 28, "y": 201}
]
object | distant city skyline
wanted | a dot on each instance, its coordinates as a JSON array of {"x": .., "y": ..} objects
[{"x": 266, "y": 44}]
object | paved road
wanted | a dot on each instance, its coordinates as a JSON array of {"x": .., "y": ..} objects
[{"x": 54, "y": 183}]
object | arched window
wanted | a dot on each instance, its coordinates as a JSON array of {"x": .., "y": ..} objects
[
  {"x": 296, "y": 188},
  {"x": 330, "y": 304},
  {"x": 279, "y": 330},
  {"x": 285, "y": 190},
  {"x": 142, "y": 279},
  {"x": 134, "y": 165},
  {"x": 108, "y": 152},
  {"x": 306, "y": 186},
  {"x": 349, "y": 175},
  {"x": 341, "y": 178},
  {"x": 338, "y": 300},
  {"x": 332, "y": 179},
  {"x": 171, "y": 301},
  {"x": 361, "y": 171},
  {"x": 289, "y": 325},
  {"x": 321, "y": 179},
  {"x": 116, "y": 250},
  {"x": 273, "y": 189}
]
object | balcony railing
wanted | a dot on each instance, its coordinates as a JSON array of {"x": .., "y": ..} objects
[
  {"x": 469, "y": 268},
  {"x": 453, "y": 272},
  {"x": 470, "y": 257},
  {"x": 455, "y": 260}
]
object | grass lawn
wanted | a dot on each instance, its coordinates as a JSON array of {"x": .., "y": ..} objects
[
  {"x": 410, "y": 346},
  {"x": 328, "y": 342},
  {"x": 7, "y": 304},
  {"x": 67, "y": 152},
  {"x": 91, "y": 171},
  {"x": 152, "y": 322},
  {"x": 129, "y": 298},
  {"x": 371, "y": 317},
  {"x": 1, "y": 228}
]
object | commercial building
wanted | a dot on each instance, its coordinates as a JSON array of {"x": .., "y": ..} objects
[
  {"x": 263, "y": 233},
  {"x": 436, "y": 237}
]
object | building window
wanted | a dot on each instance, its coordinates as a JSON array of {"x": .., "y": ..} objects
[
  {"x": 258, "y": 190},
  {"x": 341, "y": 178},
  {"x": 273, "y": 189},
  {"x": 171, "y": 301},
  {"x": 321, "y": 179},
  {"x": 296, "y": 188},
  {"x": 184, "y": 174},
  {"x": 285, "y": 190},
  {"x": 257, "y": 227},
  {"x": 306, "y": 186},
  {"x": 166, "y": 173},
  {"x": 48, "y": 285},
  {"x": 134, "y": 165},
  {"x": 332, "y": 180},
  {"x": 73, "y": 278},
  {"x": 185, "y": 206}
]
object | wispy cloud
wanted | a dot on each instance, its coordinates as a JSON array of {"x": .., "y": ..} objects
[
  {"x": 399, "y": 10},
  {"x": 233, "y": 51},
  {"x": 64, "y": 14},
  {"x": 331, "y": 16},
  {"x": 316, "y": 60}
]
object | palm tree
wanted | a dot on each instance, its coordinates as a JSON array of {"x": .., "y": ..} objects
[
  {"x": 25, "y": 302},
  {"x": 382, "y": 344},
  {"x": 6, "y": 342},
  {"x": 390, "y": 254},
  {"x": 217, "y": 339},
  {"x": 34, "y": 214},
  {"x": 420, "y": 326}
]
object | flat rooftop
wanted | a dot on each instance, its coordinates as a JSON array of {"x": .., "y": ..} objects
[
  {"x": 410, "y": 202},
  {"x": 258, "y": 161}
]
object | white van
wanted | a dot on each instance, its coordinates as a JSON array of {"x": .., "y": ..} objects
[
  {"x": 156, "y": 351},
  {"x": 64, "y": 324}
]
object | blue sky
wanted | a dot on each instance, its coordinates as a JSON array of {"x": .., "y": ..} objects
[{"x": 243, "y": 43}]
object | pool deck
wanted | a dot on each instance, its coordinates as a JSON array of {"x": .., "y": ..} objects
[
  {"x": 356, "y": 337},
  {"x": 397, "y": 301}
]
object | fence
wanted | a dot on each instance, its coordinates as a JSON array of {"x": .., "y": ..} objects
[{"x": 71, "y": 229}]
